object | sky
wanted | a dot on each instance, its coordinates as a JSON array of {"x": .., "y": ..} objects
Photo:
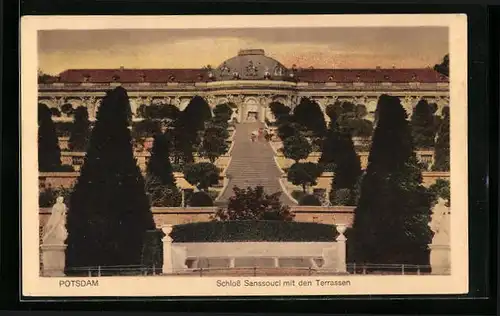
[{"x": 333, "y": 47}]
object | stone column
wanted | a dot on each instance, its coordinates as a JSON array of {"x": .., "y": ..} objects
[
  {"x": 53, "y": 259},
  {"x": 341, "y": 249},
  {"x": 167, "y": 249}
]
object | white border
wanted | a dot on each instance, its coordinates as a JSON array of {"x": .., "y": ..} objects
[{"x": 457, "y": 282}]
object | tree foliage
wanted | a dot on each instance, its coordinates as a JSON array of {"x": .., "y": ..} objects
[
  {"x": 296, "y": 148},
  {"x": 441, "y": 189},
  {"x": 442, "y": 148},
  {"x": 159, "y": 164},
  {"x": 49, "y": 153},
  {"x": 187, "y": 129},
  {"x": 304, "y": 174},
  {"x": 280, "y": 111},
  {"x": 423, "y": 125},
  {"x": 444, "y": 66},
  {"x": 350, "y": 118},
  {"x": 287, "y": 129},
  {"x": 109, "y": 210},
  {"x": 393, "y": 212},
  {"x": 161, "y": 111},
  {"x": 309, "y": 115},
  {"x": 202, "y": 175},
  {"x": 254, "y": 204},
  {"x": 222, "y": 113},
  {"x": 196, "y": 113},
  {"x": 80, "y": 130},
  {"x": 339, "y": 151},
  {"x": 214, "y": 143}
]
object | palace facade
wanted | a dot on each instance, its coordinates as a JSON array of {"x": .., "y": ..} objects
[{"x": 251, "y": 81}]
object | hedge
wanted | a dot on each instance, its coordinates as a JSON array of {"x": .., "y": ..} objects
[{"x": 310, "y": 199}]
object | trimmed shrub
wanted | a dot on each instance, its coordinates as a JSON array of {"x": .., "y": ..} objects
[
  {"x": 200, "y": 199},
  {"x": 297, "y": 194},
  {"x": 310, "y": 199}
]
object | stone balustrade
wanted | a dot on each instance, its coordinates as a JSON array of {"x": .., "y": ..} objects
[
  {"x": 342, "y": 215},
  {"x": 181, "y": 257}
]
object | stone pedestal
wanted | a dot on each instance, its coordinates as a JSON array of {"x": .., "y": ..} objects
[
  {"x": 168, "y": 266},
  {"x": 440, "y": 259},
  {"x": 53, "y": 260},
  {"x": 341, "y": 249}
]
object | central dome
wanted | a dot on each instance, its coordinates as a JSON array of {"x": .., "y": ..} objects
[{"x": 250, "y": 64}]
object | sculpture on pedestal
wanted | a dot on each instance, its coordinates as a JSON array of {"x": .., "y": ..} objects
[
  {"x": 55, "y": 230},
  {"x": 440, "y": 246},
  {"x": 53, "y": 246}
]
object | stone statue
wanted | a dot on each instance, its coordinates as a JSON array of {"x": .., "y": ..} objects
[
  {"x": 440, "y": 222},
  {"x": 440, "y": 246},
  {"x": 55, "y": 229}
]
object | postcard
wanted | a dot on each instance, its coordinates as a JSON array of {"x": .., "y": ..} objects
[{"x": 244, "y": 155}]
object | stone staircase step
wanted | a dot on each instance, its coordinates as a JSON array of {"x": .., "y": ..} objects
[{"x": 252, "y": 164}]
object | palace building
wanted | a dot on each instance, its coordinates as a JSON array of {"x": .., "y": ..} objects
[{"x": 251, "y": 81}]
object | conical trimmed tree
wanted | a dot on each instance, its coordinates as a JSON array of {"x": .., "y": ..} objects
[
  {"x": 187, "y": 127},
  {"x": 160, "y": 182},
  {"x": 338, "y": 149},
  {"x": 422, "y": 124},
  {"x": 109, "y": 211},
  {"x": 49, "y": 153},
  {"x": 442, "y": 149},
  {"x": 391, "y": 219},
  {"x": 80, "y": 131},
  {"x": 159, "y": 164}
]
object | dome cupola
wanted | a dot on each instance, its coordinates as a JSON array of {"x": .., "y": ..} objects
[{"x": 250, "y": 64}]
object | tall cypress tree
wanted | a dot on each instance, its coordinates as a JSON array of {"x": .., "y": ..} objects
[
  {"x": 393, "y": 212},
  {"x": 160, "y": 184},
  {"x": 109, "y": 211},
  {"x": 422, "y": 124},
  {"x": 49, "y": 153},
  {"x": 442, "y": 149},
  {"x": 187, "y": 127},
  {"x": 338, "y": 149},
  {"x": 80, "y": 131},
  {"x": 159, "y": 164}
]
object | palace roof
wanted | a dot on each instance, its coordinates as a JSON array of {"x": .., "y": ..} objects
[
  {"x": 394, "y": 75},
  {"x": 250, "y": 64}
]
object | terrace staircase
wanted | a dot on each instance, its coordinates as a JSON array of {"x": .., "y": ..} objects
[{"x": 252, "y": 164}]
